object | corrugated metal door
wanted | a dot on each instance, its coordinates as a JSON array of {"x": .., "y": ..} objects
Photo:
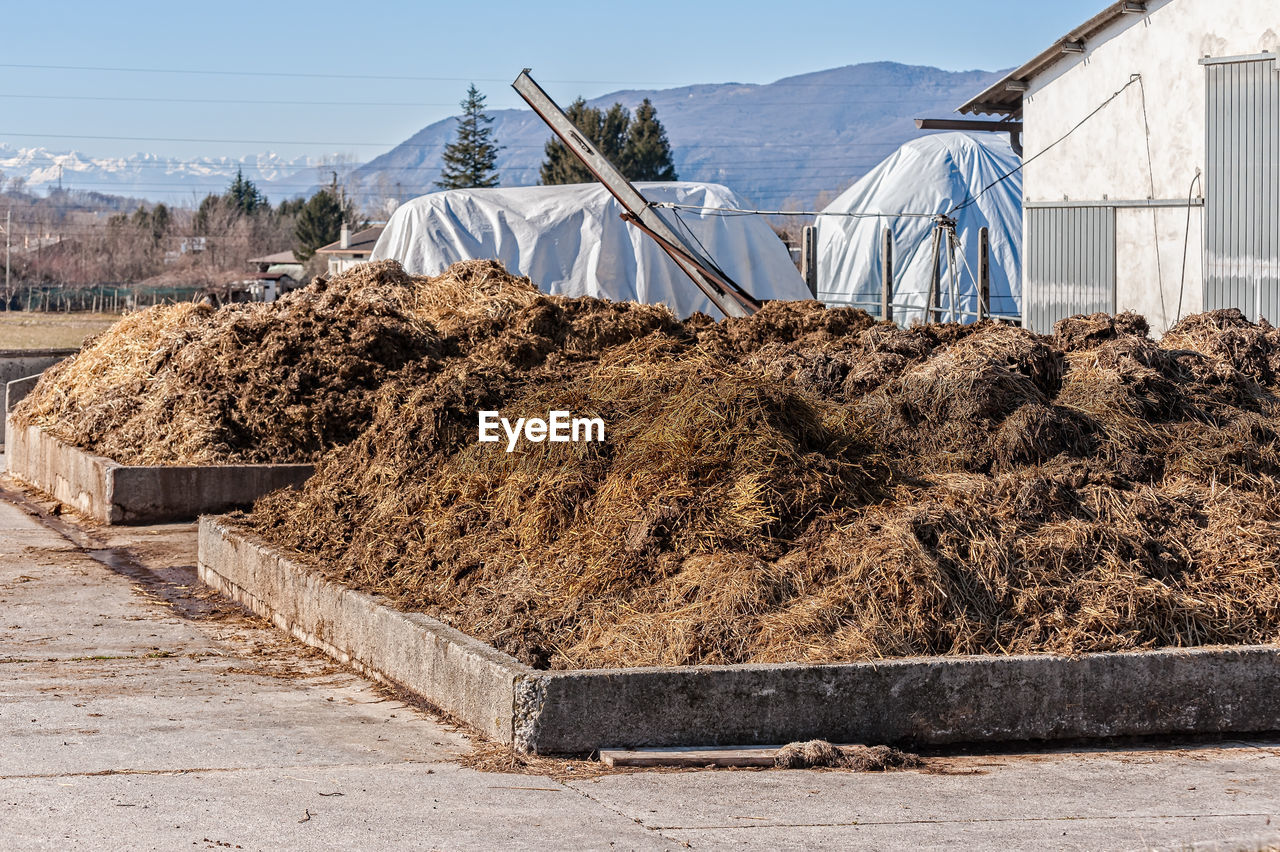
[
  {"x": 1070, "y": 264},
  {"x": 1242, "y": 186}
]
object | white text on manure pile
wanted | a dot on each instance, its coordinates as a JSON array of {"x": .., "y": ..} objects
[{"x": 559, "y": 427}]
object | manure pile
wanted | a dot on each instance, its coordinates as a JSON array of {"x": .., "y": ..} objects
[
  {"x": 250, "y": 383},
  {"x": 808, "y": 485}
]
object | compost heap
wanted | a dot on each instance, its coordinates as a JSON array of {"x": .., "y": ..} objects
[
  {"x": 248, "y": 383},
  {"x": 809, "y": 485}
]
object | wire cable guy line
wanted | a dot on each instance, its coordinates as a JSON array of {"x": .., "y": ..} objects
[
  {"x": 1133, "y": 78},
  {"x": 740, "y": 211}
]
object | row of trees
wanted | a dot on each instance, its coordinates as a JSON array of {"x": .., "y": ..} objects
[
  {"x": 637, "y": 145},
  {"x": 312, "y": 222},
  {"x": 71, "y": 245}
]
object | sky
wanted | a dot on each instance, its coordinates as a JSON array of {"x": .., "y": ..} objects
[{"x": 238, "y": 78}]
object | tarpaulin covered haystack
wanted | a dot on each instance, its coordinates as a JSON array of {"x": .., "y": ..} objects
[
  {"x": 807, "y": 485},
  {"x": 976, "y": 180},
  {"x": 571, "y": 240}
]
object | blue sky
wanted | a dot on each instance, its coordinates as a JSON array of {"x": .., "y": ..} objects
[{"x": 423, "y": 55}]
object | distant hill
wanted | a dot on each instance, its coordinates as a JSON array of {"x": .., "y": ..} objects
[{"x": 798, "y": 141}]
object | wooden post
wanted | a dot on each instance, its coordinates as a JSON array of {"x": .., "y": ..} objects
[
  {"x": 809, "y": 258},
  {"x": 886, "y": 277},
  {"x": 935, "y": 278},
  {"x": 984, "y": 273}
]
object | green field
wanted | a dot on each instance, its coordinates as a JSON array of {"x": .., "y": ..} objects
[{"x": 37, "y": 330}]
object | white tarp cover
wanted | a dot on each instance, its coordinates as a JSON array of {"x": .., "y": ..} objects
[
  {"x": 932, "y": 174},
  {"x": 570, "y": 240}
]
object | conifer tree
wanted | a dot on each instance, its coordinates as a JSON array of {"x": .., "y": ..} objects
[
  {"x": 320, "y": 221},
  {"x": 637, "y": 147},
  {"x": 647, "y": 155},
  {"x": 469, "y": 160},
  {"x": 606, "y": 130},
  {"x": 243, "y": 196}
]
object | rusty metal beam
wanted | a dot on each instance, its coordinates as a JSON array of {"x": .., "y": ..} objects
[
  {"x": 723, "y": 292},
  {"x": 1013, "y": 128},
  {"x": 968, "y": 124}
]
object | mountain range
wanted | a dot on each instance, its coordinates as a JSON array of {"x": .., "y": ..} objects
[
  {"x": 156, "y": 178},
  {"x": 798, "y": 141}
]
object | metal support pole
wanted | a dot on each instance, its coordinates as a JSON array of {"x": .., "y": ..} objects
[
  {"x": 8, "y": 226},
  {"x": 809, "y": 257},
  {"x": 953, "y": 284},
  {"x": 935, "y": 277},
  {"x": 984, "y": 273},
  {"x": 886, "y": 277}
]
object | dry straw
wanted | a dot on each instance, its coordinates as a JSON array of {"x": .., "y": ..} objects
[
  {"x": 807, "y": 485},
  {"x": 804, "y": 485}
]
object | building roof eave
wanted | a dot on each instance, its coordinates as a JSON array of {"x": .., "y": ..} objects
[{"x": 1004, "y": 97}]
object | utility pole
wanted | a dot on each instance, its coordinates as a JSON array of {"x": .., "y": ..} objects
[{"x": 8, "y": 226}]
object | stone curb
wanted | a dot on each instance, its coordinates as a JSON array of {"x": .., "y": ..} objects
[
  {"x": 111, "y": 493},
  {"x": 914, "y": 702},
  {"x": 17, "y": 364}
]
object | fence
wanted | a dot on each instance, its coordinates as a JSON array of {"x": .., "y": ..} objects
[
  {"x": 101, "y": 299},
  {"x": 945, "y": 301}
]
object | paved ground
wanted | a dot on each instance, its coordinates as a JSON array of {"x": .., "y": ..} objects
[{"x": 138, "y": 711}]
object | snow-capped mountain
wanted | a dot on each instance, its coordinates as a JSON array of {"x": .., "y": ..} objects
[{"x": 169, "y": 179}]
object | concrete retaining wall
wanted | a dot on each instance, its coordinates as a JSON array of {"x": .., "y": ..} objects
[
  {"x": 111, "y": 493},
  {"x": 460, "y": 675},
  {"x": 20, "y": 363},
  {"x": 926, "y": 701}
]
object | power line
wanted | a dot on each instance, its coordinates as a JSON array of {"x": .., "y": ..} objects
[
  {"x": 224, "y": 101},
  {"x": 514, "y": 107},
  {"x": 314, "y": 75},
  {"x": 231, "y": 166},
  {"x": 784, "y": 83},
  {"x": 754, "y": 144},
  {"x": 817, "y": 182}
]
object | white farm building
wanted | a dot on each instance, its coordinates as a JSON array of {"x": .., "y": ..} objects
[{"x": 1151, "y": 181}]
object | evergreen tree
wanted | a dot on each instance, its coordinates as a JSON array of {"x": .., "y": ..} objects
[
  {"x": 159, "y": 223},
  {"x": 608, "y": 131},
  {"x": 469, "y": 160},
  {"x": 244, "y": 196},
  {"x": 291, "y": 206},
  {"x": 647, "y": 154},
  {"x": 637, "y": 147},
  {"x": 320, "y": 221},
  {"x": 207, "y": 214}
]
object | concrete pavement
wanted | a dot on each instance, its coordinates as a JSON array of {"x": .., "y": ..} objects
[{"x": 139, "y": 711}]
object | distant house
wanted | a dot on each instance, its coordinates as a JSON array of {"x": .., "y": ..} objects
[
  {"x": 186, "y": 245},
  {"x": 281, "y": 261},
  {"x": 269, "y": 286},
  {"x": 350, "y": 249}
]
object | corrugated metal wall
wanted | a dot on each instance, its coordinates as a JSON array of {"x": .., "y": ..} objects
[
  {"x": 1070, "y": 264},
  {"x": 1242, "y": 187}
]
